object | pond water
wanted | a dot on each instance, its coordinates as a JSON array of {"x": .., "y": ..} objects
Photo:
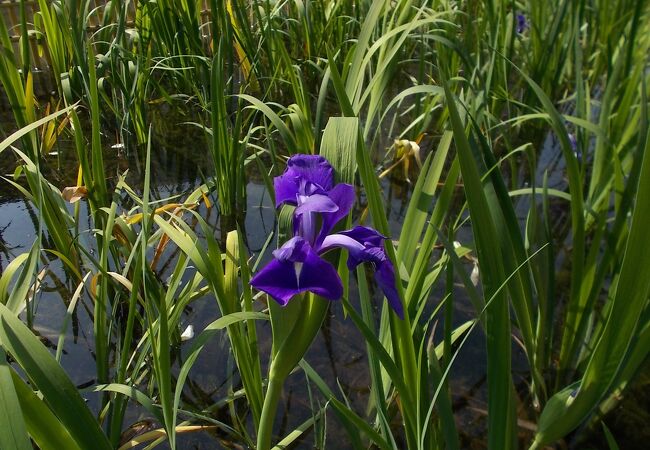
[{"x": 180, "y": 163}]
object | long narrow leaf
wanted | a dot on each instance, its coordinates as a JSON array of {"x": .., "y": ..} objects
[{"x": 51, "y": 380}]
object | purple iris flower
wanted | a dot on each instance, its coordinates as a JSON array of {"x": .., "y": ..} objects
[
  {"x": 308, "y": 183},
  {"x": 522, "y": 23}
]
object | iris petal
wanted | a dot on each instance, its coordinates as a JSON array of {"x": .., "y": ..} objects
[
  {"x": 386, "y": 281},
  {"x": 312, "y": 168},
  {"x": 320, "y": 277},
  {"x": 315, "y": 203},
  {"x": 305, "y": 219},
  {"x": 363, "y": 244},
  {"x": 366, "y": 245},
  {"x": 297, "y": 269},
  {"x": 366, "y": 235},
  {"x": 278, "y": 279},
  {"x": 339, "y": 240},
  {"x": 292, "y": 250},
  {"x": 343, "y": 196},
  {"x": 306, "y": 175},
  {"x": 286, "y": 189}
]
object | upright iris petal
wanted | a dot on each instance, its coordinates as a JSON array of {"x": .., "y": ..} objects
[
  {"x": 337, "y": 206},
  {"x": 343, "y": 195},
  {"x": 305, "y": 215},
  {"x": 304, "y": 175}
]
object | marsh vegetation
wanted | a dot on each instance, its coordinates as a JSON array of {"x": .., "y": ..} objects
[{"x": 323, "y": 223}]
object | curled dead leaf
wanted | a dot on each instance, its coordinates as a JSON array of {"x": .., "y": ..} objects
[{"x": 73, "y": 194}]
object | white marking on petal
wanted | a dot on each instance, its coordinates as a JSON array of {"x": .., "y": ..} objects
[{"x": 297, "y": 266}]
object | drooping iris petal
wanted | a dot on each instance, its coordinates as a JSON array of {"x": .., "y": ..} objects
[
  {"x": 320, "y": 277},
  {"x": 386, "y": 281},
  {"x": 296, "y": 269},
  {"x": 365, "y": 235},
  {"x": 306, "y": 175},
  {"x": 366, "y": 245},
  {"x": 339, "y": 240}
]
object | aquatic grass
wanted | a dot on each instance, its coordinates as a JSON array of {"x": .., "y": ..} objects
[
  {"x": 41, "y": 423},
  {"x": 236, "y": 22},
  {"x": 369, "y": 68},
  {"x": 590, "y": 219},
  {"x": 12, "y": 81},
  {"x": 227, "y": 149},
  {"x": 602, "y": 177},
  {"x": 399, "y": 333},
  {"x": 14, "y": 434},
  {"x": 61, "y": 395},
  {"x": 52, "y": 211},
  {"x": 209, "y": 265},
  {"x": 51, "y": 439},
  {"x": 501, "y": 427},
  {"x": 156, "y": 312},
  {"x": 514, "y": 254},
  {"x": 573, "y": 71},
  {"x": 58, "y": 51},
  {"x": 628, "y": 299},
  {"x": 377, "y": 390},
  {"x": 160, "y": 318},
  {"x": 375, "y": 208},
  {"x": 42, "y": 193},
  {"x": 588, "y": 291}
]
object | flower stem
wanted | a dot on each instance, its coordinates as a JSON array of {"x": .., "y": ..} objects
[{"x": 271, "y": 399}]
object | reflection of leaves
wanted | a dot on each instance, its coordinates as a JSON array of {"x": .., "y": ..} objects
[
  {"x": 45, "y": 340},
  {"x": 5, "y": 248},
  {"x": 73, "y": 194}
]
